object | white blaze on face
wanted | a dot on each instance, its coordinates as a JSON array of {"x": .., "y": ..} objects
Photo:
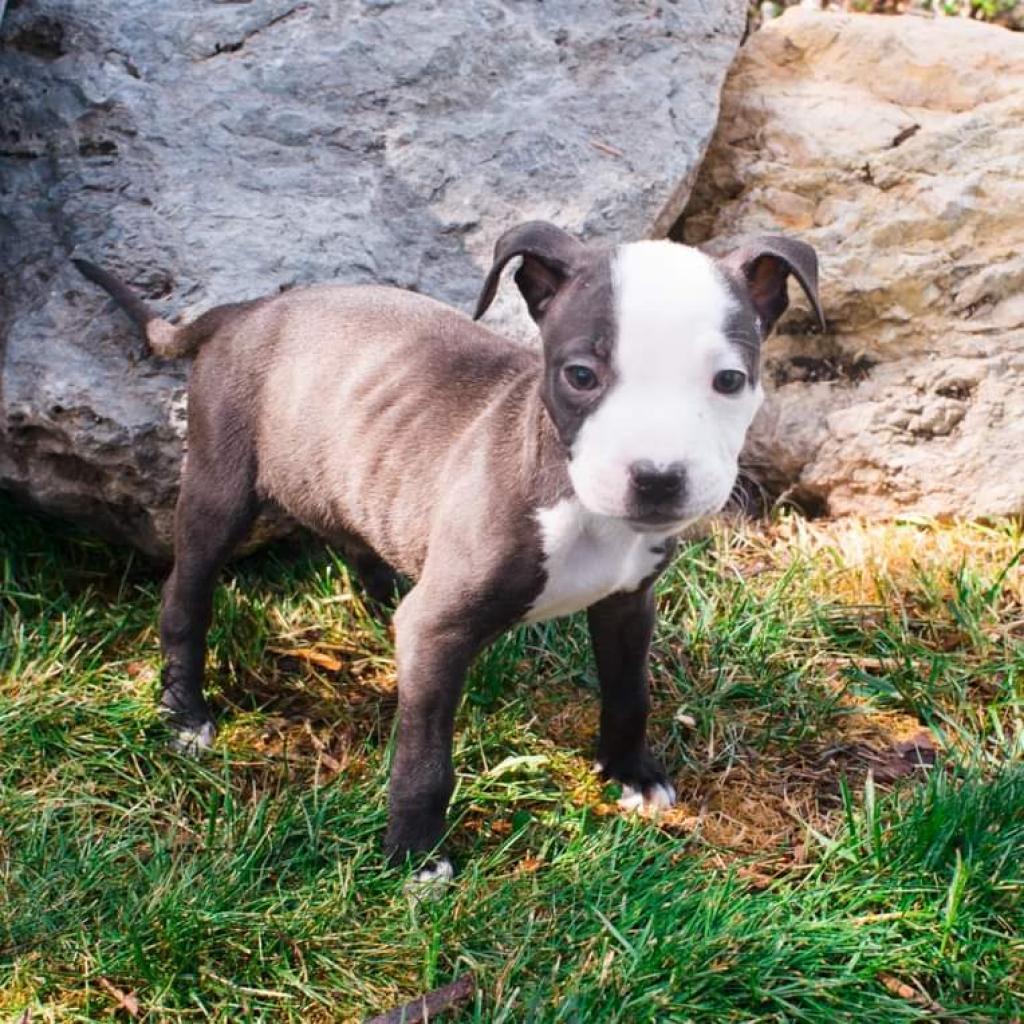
[{"x": 672, "y": 307}]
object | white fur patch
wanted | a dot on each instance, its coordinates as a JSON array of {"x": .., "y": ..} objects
[
  {"x": 431, "y": 881},
  {"x": 659, "y": 797},
  {"x": 194, "y": 742},
  {"x": 672, "y": 306},
  {"x": 588, "y": 557}
]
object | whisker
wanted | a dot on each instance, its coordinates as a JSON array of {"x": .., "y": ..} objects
[{"x": 749, "y": 496}]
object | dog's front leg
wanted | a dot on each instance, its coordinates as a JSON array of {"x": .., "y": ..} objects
[
  {"x": 621, "y": 627},
  {"x": 435, "y": 645}
]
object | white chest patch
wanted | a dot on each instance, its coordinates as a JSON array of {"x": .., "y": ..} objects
[{"x": 588, "y": 557}]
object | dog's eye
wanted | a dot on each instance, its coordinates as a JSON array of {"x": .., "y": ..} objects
[
  {"x": 729, "y": 382},
  {"x": 581, "y": 378}
]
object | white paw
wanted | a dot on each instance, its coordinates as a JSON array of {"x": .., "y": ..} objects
[
  {"x": 193, "y": 742},
  {"x": 430, "y": 882},
  {"x": 659, "y": 797}
]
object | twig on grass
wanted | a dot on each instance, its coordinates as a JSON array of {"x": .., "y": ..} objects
[{"x": 427, "y": 1006}]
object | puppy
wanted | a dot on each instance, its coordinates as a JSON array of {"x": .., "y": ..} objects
[{"x": 512, "y": 484}]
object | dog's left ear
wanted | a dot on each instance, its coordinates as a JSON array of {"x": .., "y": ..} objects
[
  {"x": 764, "y": 264},
  {"x": 549, "y": 257}
]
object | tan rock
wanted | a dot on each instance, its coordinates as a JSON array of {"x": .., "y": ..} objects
[{"x": 896, "y": 147}]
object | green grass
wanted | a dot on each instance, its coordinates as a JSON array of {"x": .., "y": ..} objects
[{"x": 800, "y": 879}]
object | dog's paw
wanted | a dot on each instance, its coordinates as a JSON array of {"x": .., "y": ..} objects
[
  {"x": 192, "y": 740},
  {"x": 645, "y": 786},
  {"x": 652, "y": 799},
  {"x": 431, "y": 880}
]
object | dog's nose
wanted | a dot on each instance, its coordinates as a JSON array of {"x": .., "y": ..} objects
[{"x": 655, "y": 484}]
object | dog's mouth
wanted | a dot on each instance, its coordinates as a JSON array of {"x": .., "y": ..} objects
[{"x": 657, "y": 522}]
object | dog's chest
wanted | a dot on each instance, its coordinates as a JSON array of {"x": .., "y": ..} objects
[{"x": 588, "y": 557}]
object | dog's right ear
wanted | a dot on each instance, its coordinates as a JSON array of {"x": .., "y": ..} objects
[
  {"x": 549, "y": 256},
  {"x": 764, "y": 264}
]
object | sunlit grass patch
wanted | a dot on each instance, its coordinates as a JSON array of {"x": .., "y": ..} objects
[{"x": 839, "y": 703}]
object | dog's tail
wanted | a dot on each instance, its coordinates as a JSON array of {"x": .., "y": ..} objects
[{"x": 164, "y": 339}]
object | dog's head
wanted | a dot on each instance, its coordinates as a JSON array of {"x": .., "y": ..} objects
[{"x": 651, "y": 354}]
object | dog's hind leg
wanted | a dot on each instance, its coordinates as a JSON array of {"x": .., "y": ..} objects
[
  {"x": 216, "y": 507},
  {"x": 380, "y": 584}
]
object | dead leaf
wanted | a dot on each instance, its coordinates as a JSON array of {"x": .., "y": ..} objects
[
  {"x": 125, "y": 1000},
  {"x": 920, "y": 747},
  {"x": 754, "y": 878},
  {"x": 904, "y": 758},
  {"x": 326, "y": 758},
  {"x": 890, "y": 915},
  {"x": 914, "y": 995},
  {"x": 528, "y": 865},
  {"x": 311, "y": 655},
  {"x": 899, "y": 988}
]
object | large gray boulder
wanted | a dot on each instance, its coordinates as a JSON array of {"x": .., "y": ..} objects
[{"x": 208, "y": 152}]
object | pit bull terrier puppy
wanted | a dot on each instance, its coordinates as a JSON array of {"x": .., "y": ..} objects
[{"x": 513, "y": 484}]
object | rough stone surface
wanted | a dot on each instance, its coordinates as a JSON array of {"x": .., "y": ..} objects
[
  {"x": 896, "y": 147},
  {"x": 214, "y": 151}
]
